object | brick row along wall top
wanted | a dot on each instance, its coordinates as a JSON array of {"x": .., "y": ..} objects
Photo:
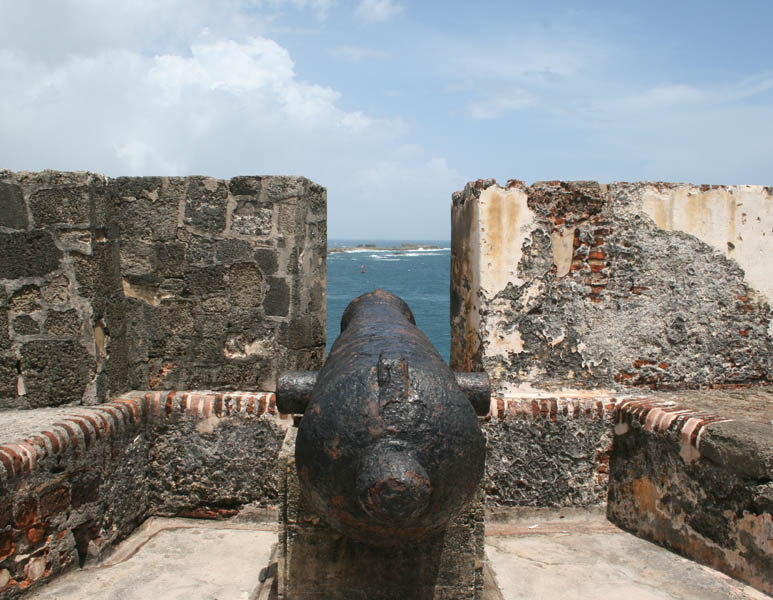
[{"x": 156, "y": 282}]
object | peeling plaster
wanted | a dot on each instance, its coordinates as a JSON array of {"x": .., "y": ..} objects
[
  {"x": 505, "y": 222},
  {"x": 737, "y": 221}
]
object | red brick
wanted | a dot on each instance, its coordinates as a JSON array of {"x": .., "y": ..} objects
[
  {"x": 26, "y": 513},
  {"x": 36, "y": 533},
  {"x": 54, "y": 441},
  {"x": 84, "y": 428},
  {"x": 106, "y": 426},
  {"x": 16, "y": 460},
  {"x": 207, "y": 513},
  {"x": 6, "y": 545},
  {"x": 133, "y": 408},
  {"x": 54, "y": 502},
  {"x": 71, "y": 435},
  {"x": 91, "y": 418},
  {"x": 169, "y": 405}
]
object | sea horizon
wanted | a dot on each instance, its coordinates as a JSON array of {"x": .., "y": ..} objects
[{"x": 421, "y": 277}]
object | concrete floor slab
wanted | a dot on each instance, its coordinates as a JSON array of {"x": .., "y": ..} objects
[
  {"x": 175, "y": 559},
  {"x": 543, "y": 555},
  {"x": 532, "y": 554}
]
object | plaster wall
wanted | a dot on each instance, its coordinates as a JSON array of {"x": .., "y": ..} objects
[{"x": 565, "y": 286}]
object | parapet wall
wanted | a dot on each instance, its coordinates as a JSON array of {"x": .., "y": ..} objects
[
  {"x": 77, "y": 480},
  {"x": 582, "y": 285},
  {"x": 156, "y": 282},
  {"x": 583, "y": 301}
]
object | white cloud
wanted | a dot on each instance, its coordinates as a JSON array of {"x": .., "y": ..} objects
[
  {"x": 146, "y": 114},
  {"x": 206, "y": 102},
  {"x": 377, "y": 11}
]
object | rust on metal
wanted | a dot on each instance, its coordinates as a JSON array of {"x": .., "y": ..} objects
[{"x": 389, "y": 448}]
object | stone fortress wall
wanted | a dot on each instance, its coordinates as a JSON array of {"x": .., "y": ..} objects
[
  {"x": 150, "y": 283},
  {"x": 628, "y": 333},
  {"x": 145, "y": 283}
]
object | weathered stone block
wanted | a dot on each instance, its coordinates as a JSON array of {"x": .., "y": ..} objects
[
  {"x": 176, "y": 317},
  {"x": 252, "y": 221},
  {"x": 139, "y": 261},
  {"x": 267, "y": 260},
  {"x": 63, "y": 323},
  {"x": 205, "y": 204},
  {"x": 204, "y": 281},
  {"x": 61, "y": 205},
  {"x": 200, "y": 250},
  {"x": 277, "y": 301},
  {"x": 13, "y": 212},
  {"x": 147, "y": 207},
  {"x": 233, "y": 250},
  {"x": 28, "y": 254},
  {"x": 25, "y": 325},
  {"x": 8, "y": 377},
  {"x": 26, "y": 299},
  {"x": 5, "y": 338},
  {"x": 57, "y": 291},
  {"x": 171, "y": 259},
  {"x": 55, "y": 372},
  {"x": 245, "y": 285}
]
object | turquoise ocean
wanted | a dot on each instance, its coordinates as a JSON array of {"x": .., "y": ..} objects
[{"x": 420, "y": 277}]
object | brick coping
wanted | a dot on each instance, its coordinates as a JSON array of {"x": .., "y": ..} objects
[
  {"x": 128, "y": 412},
  {"x": 654, "y": 415},
  {"x": 135, "y": 408}
]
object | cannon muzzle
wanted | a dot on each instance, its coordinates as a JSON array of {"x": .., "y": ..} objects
[{"x": 389, "y": 448}]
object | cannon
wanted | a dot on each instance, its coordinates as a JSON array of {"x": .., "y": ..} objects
[{"x": 389, "y": 448}]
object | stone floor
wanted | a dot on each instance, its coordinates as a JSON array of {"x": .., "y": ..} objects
[{"x": 532, "y": 554}]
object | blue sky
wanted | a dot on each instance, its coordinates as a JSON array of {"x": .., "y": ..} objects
[{"x": 392, "y": 105}]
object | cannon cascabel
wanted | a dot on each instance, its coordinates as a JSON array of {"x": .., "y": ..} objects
[{"x": 389, "y": 448}]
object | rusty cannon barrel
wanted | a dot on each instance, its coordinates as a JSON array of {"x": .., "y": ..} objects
[{"x": 389, "y": 448}]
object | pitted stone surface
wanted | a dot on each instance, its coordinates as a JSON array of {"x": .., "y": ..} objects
[{"x": 156, "y": 282}]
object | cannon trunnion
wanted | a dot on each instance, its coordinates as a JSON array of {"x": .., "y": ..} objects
[{"x": 389, "y": 448}]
